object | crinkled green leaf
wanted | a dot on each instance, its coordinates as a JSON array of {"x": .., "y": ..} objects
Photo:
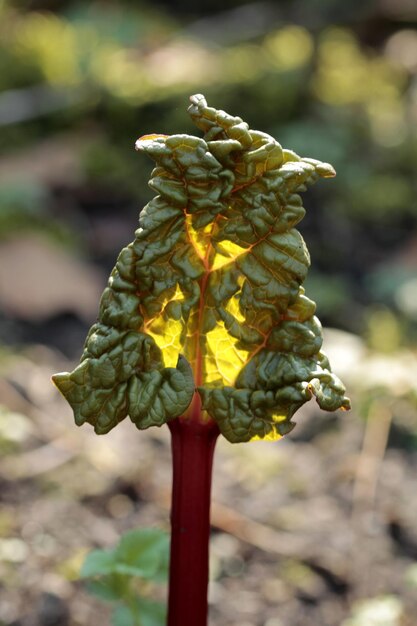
[{"x": 208, "y": 298}]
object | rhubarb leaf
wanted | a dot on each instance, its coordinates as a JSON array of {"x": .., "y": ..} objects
[{"x": 205, "y": 309}]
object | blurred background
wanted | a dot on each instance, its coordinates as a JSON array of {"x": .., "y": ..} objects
[{"x": 319, "y": 529}]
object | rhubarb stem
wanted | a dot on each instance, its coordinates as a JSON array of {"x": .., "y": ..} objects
[{"x": 193, "y": 446}]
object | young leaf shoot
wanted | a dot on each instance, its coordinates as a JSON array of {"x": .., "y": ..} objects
[{"x": 204, "y": 316}]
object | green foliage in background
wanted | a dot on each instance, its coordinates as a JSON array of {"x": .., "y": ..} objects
[
  {"x": 124, "y": 576},
  {"x": 23, "y": 208}
]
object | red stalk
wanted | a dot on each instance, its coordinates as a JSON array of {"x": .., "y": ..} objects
[{"x": 193, "y": 445}]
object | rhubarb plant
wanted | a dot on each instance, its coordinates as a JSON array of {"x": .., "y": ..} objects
[{"x": 204, "y": 324}]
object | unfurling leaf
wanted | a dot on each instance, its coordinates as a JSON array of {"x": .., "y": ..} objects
[{"x": 205, "y": 309}]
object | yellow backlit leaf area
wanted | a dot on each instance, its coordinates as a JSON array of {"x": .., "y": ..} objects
[
  {"x": 199, "y": 239},
  {"x": 227, "y": 254},
  {"x": 223, "y": 360},
  {"x": 208, "y": 299},
  {"x": 167, "y": 331}
]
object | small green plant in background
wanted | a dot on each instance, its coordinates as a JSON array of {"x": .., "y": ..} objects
[{"x": 127, "y": 574}]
